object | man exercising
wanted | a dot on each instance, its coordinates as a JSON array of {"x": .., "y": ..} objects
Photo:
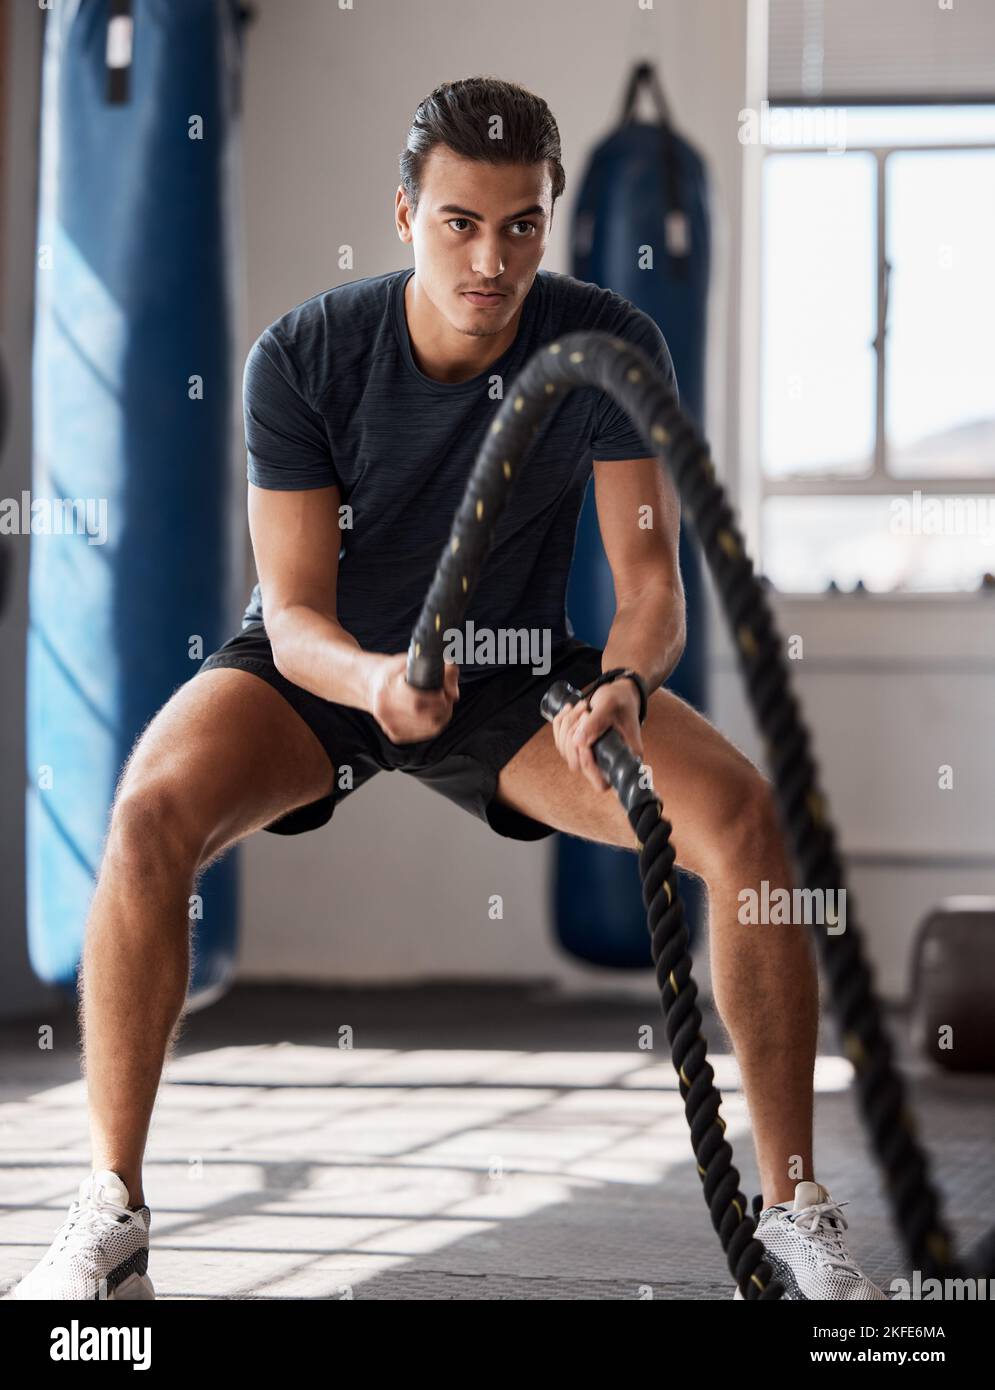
[{"x": 364, "y": 409}]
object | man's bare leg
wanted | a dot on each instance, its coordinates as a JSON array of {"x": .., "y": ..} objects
[
  {"x": 725, "y": 830},
  {"x": 224, "y": 757}
]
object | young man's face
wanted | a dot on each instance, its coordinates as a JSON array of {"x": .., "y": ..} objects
[{"x": 477, "y": 227}]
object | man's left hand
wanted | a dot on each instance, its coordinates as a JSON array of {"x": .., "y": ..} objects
[{"x": 576, "y": 727}]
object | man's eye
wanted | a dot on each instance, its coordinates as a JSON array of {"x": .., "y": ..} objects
[{"x": 530, "y": 225}]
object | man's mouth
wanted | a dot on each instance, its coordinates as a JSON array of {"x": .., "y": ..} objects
[{"x": 483, "y": 299}]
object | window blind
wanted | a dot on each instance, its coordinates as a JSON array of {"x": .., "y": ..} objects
[{"x": 840, "y": 52}]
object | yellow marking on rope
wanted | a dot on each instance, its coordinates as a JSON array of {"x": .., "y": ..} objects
[
  {"x": 519, "y": 402},
  {"x": 455, "y": 544},
  {"x": 496, "y": 427},
  {"x": 506, "y": 466},
  {"x": 659, "y": 434},
  {"x": 555, "y": 348},
  {"x": 938, "y": 1246},
  {"x": 576, "y": 357},
  {"x": 738, "y": 1208},
  {"x": 683, "y": 1077},
  {"x": 816, "y": 807},
  {"x": 438, "y": 622},
  {"x": 480, "y": 508},
  {"x": 550, "y": 388},
  {"x": 639, "y": 844},
  {"x": 746, "y": 640},
  {"x": 702, "y": 1171},
  {"x": 729, "y": 544},
  {"x": 673, "y": 986},
  {"x": 670, "y": 896},
  {"x": 755, "y": 1279},
  {"x": 633, "y": 374},
  {"x": 854, "y": 1049},
  {"x": 464, "y": 583},
  {"x": 720, "y": 1121},
  {"x": 417, "y": 649}
]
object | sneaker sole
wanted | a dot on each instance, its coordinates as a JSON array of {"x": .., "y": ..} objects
[{"x": 137, "y": 1288}]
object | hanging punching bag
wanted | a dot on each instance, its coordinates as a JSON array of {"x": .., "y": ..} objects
[
  {"x": 641, "y": 228},
  {"x": 134, "y": 572}
]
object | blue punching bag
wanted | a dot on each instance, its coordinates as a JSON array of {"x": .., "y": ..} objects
[
  {"x": 644, "y": 186},
  {"x": 134, "y": 409}
]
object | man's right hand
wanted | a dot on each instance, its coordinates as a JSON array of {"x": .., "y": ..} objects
[{"x": 406, "y": 714}]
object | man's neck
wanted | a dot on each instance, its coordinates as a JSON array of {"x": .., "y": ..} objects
[{"x": 442, "y": 353}]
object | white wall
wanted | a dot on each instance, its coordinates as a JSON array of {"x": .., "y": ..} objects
[{"x": 892, "y": 689}]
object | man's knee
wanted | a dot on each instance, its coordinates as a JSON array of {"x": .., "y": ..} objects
[
  {"x": 154, "y": 827},
  {"x": 746, "y": 824}
]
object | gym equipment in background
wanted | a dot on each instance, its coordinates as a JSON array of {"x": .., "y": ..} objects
[
  {"x": 953, "y": 985},
  {"x": 134, "y": 417},
  {"x": 610, "y": 364},
  {"x": 645, "y": 192}
]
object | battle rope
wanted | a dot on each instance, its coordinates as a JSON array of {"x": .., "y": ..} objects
[{"x": 626, "y": 373}]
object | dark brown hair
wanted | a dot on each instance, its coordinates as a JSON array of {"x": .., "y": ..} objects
[{"x": 459, "y": 114}]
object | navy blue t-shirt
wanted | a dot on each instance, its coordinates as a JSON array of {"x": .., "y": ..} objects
[{"x": 332, "y": 395}]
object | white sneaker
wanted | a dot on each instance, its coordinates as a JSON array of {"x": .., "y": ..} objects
[
  {"x": 101, "y": 1250},
  {"x": 806, "y": 1249}
]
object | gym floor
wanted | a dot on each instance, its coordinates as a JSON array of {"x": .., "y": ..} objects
[{"x": 472, "y": 1143}]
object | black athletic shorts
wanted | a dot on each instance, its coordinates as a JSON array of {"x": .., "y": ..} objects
[{"x": 494, "y": 716}]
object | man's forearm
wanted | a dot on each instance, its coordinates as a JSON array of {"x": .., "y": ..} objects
[
  {"x": 317, "y": 653},
  {"x": 647, "y": 633}
]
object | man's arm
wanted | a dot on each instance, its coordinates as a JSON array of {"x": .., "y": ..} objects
[
  {"x": 639, "y": 516},
  {"x": 296, "y": 541}
]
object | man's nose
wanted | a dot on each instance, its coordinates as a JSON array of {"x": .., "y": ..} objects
[{"x": 487, "y": 262}]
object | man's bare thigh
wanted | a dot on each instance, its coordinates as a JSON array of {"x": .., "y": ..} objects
[
  {"x": 699, "y": 775},
  {"x": 227, "y": 755}
]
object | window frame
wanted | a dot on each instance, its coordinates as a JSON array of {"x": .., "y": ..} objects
[{"x": 879, "y": 481}]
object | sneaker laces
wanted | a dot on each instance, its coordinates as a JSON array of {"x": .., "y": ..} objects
[
  {"x": 86, "y": 1220},
  {"x": 825, "y": 1223}
]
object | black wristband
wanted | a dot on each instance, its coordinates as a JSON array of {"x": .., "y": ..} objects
[
  {"x": 607, "y": 677},
  {"x": 640, "y": 685}
]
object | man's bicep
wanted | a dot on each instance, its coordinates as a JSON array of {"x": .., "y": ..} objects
[{"x": 296, "y": 541}]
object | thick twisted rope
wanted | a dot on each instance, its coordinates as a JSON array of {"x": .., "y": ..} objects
[{"x": 612, "y": 365}]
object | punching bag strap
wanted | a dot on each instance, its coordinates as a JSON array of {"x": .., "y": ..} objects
[
  {"x": 644, "y": 73},
  {"x": 677, "y": 224},
  {"x": 119, "y": 50}
]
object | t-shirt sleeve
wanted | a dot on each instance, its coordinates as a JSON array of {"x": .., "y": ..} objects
[
  {"x": 614, "y": 435},
  {"x": 286, "y": 444}
]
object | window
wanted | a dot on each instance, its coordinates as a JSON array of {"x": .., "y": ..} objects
[{"x": 877, "y": 372}]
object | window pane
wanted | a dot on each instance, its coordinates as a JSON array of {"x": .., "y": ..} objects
[
  {"x": 818, "y": 311},
  {"x": 940, "y": 356},
  {"x": 915, "y": 541}
]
